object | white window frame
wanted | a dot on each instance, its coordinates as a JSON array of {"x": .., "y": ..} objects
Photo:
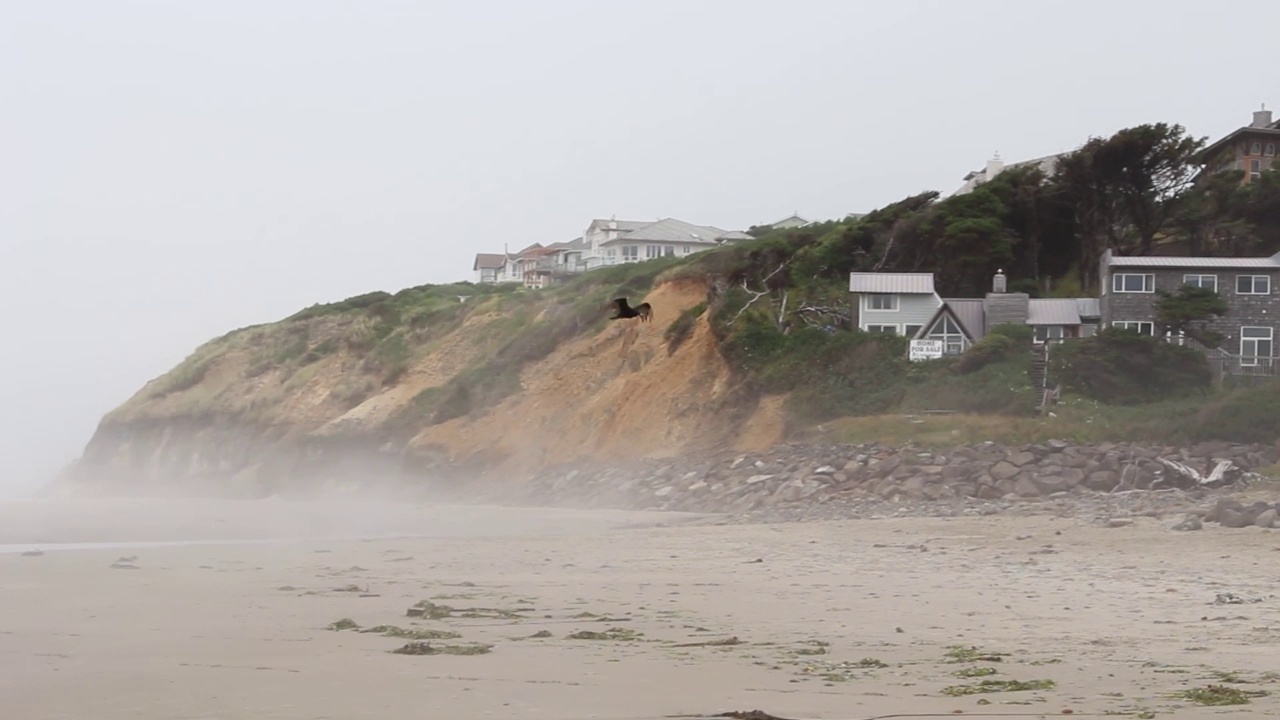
[
  {"x": 907, "y": 329},
  {"x": 652, "y": 252},
  {"x": 668, "y": 251},
  {"x": 1271, "y": 150},
  {"x": 1129, "y": 325},
  {"x": 1051, "y": 333},
  {"x": 890, "y": 300},
  {"x": 1148, "y": 282},
  {"x": 1178, "y": 339},
  {"x": 1252, "y": 359},
  {"x": 630, "y": 252},
  {"x": 880, "y": 328},
  {"x": 953, "y": 343},
  {"x": 1255, "y": 148},
  {"x": 1198, "y": 281},
  {"x": 1253, "y": 285}
]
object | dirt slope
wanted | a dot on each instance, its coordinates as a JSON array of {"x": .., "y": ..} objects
[
  {"x": 244, "y": 401},
  {"x": 617, "y": 395}
]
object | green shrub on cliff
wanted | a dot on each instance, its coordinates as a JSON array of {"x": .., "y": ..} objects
[{"x": 1123, "y": 367}]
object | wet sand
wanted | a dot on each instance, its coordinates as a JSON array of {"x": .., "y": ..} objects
[{"x": 832, "y": 620}]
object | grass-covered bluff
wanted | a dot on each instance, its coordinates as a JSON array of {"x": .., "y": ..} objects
[{"x": 781, "y": 332}]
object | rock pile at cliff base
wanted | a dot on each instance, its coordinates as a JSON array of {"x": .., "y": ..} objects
[{"x": 794, "y": 481}]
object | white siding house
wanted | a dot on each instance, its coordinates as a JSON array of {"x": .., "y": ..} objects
[
  {"x": 664, "y": 238},
  {"x": 897, "y": 303}
]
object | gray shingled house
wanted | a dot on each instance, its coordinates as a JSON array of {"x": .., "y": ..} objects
[{"x": 1129, "y": 298}]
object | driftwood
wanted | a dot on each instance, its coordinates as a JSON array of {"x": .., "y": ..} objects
[{"x": 1184, "y": 477}]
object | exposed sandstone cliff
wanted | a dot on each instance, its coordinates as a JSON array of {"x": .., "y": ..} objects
[{"x": 422, "y": 387}]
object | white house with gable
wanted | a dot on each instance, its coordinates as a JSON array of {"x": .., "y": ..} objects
[
  {"x": 613, "y": 244},
  {"x": 895, "y": 303}
]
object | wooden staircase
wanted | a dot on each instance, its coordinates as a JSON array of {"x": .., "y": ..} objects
[{"x": 1039, "y": 374}]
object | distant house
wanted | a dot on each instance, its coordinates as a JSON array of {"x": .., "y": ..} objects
[
  {"x": 663, "y": 238},
  {"x": 605, "y": 242},
  {"x": 489, "y": 266},
  {"x": 792, "y": 221},
  {"x": 1251, "y": 149},
  {"x": 894, "y": 303},
  {"x": 907, "y": 304},
  {"x": 1249, "y": 286},
  {"x": 995, "y": 166}
]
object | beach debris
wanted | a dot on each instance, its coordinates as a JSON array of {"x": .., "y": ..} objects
[
  {"x": 422, "y": 647},
  {"x": 1189, "y": 523},
  {"x": 970, "y": 653},
  {"x": 719, "y": 642},
  {"x": 344, "y": 624},
  {"x": 1220, "y": 695},
  {"x": 412, "y": 633},
  {"x": 433, "y": 611},
  {"x": 998, "y": 686},
  {"x": 812, "y": 647},
  {"x": 1234, "y": 599},
  {"x": 614, "y": 633}
]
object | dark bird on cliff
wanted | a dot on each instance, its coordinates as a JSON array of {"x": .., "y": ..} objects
[{"x": 622, "y": 310}]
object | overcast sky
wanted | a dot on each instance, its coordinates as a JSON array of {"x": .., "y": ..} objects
[{"x": 172, "y": 170}]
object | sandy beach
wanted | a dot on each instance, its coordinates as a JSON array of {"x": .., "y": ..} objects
[{"x": 668, "y": 614}]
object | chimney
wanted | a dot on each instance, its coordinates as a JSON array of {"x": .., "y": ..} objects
[
  {"x": 1261, "y": 118},
  {"x": 994, "y": 166},
  {"x": 999, "y": 285}
]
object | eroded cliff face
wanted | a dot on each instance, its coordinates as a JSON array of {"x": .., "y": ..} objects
[{"x": 299, "y": 405}]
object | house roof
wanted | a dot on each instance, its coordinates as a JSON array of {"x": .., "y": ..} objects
[
  {"x": 1054, "y": 311},
  {"x": 1270, "y": 131},
  {"x": 793, "y": 216},
  {"x": 970, "y": 314},
  {"x": 1046, "y": 164},
  {"x": 906, "y": 283},
  {"x": 489, "y": 261},
  {"x": 1173, "y": 261},
  {"x": 623, "y": 225},
  {"x": 673, "y": 230}
]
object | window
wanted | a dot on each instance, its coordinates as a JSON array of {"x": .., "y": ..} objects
[
  {"x": 887, "y": 329},
  {"x": 668, "y": 251},
  {"x": 1255, "y": 169},
  {"x": 1139, "y": 326},
  {"x": 1271, "y": 149},
  {"x": 947, "y": 331},
  {"x": 911, "y": 330},
  {"x": 631, "y": 252},
  {"x": 1255, "y": 345},
  {"x": 1208, "y": 282},
  {"x": 1255, "y": 149},
  {"x": 1253, "y": 284},
  {"x": 1133, "y": 283},
  {"x": 1175, "y": 339},
  {"x": 652, "y": 251},
  {"x": 687, "y": 250},
  {"x": 882, "y": 302},
  {"x": 1047, "y": 333}
]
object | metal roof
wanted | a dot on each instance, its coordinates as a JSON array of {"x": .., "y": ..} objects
[
  {"x": 1058, "y": 311},
  {"x": 673, "y": 230},
  {"x": 489, "y": 261},
  {"x": 971, "y": 315},
  {"x": 906, "y": 283},
  {"x": 1173, "y": 261}
]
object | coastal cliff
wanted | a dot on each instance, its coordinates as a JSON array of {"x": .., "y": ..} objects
[{"x": 433, "y": 385}]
